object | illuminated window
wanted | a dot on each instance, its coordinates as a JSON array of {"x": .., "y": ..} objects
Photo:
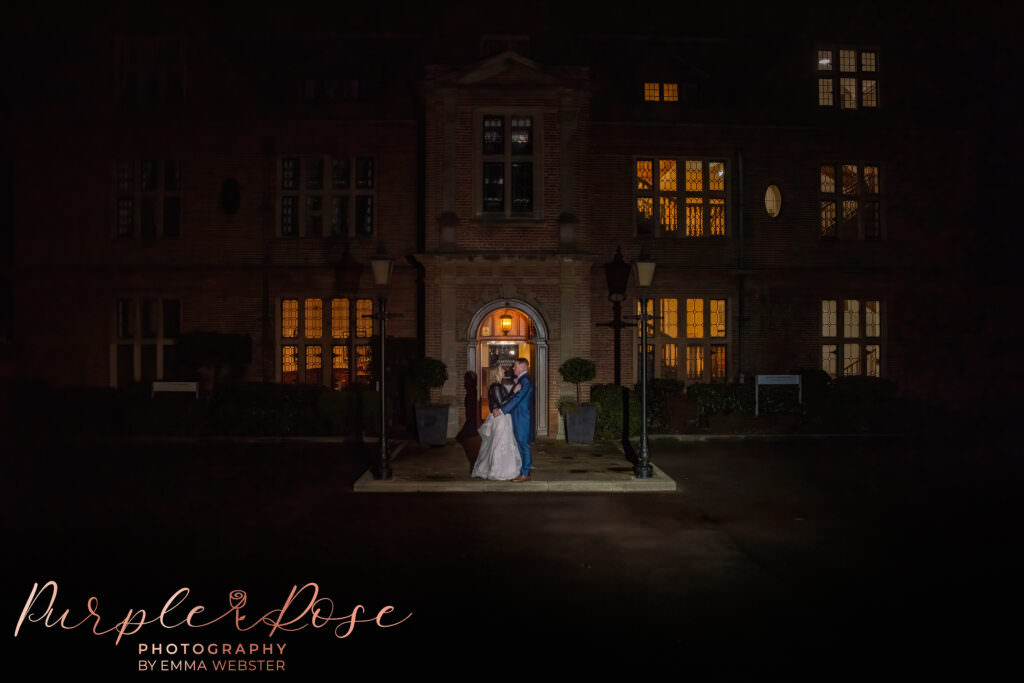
[
  {"x": 289, "y": 318},
  {"x": 669, "y": 331},
  {"x": 670, "y": 317},
  {"x": 687, "y": 191},
  {"x": 364, "y": 364},
  {"x": 828, "y": 359},
  {"x": 851, "y": 359},
  {"x": 694, "y": 361},
  {"x": 694, "y": 318},
  {"x": 314, "y": 319},
  {"x": 332, "y": 205},
  {"x": 850, "y": 201},
  {"x": 844, "y": 354},
  {"x": 851, "y": 318},
  {"x": 856, "y": 80},
  {"x": 773, "y": 201},
  {"x": 149, "y": 197},
  {"x": 507, "y": 158},
  {"x": 718, "y": 369},
  {"x": 314, "y": 365},
  {"x": 826, "y": 97},
  {"x": 872, "y": 320},
  {"x": 718, "y": 317},
  {"x": 650, "y": 322},
  {"x": 828, "y": 318},
  {"x": 143, "y": 341},
  {"x": 364, "y": 323},
  {"x": 872, "y": 360},
  {"x": 340, "y": 367},
  {"x": 670, "y": 359},
  {"x": 340, "y": 319},
  {"x": 289, "y": 364},
  {"x": 335, "y": 335},
  {"x": 661, "y": 92}
]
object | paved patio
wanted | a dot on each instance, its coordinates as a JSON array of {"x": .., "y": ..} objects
[{"x": 557, "y": 467}]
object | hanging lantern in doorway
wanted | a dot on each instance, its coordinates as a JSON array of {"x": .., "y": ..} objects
[{"x": 506, "y": 323}]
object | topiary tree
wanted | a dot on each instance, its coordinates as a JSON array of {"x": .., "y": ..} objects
[
  {"x": 577, "y": 370},
  {"x": 428, "y": 373}
]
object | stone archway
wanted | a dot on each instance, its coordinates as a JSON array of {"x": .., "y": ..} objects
[{"x": 540, "y": 339}]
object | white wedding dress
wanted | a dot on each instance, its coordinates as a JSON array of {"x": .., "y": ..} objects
[{"x": 499, "y": 455}]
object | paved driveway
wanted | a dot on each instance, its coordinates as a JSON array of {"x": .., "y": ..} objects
[{"x": 858, "y": 556}]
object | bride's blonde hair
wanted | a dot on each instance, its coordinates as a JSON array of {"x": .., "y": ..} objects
[{"x": 497, "y": 373}]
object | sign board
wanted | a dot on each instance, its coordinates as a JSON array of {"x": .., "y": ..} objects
[{"x": 776, "y": 379}]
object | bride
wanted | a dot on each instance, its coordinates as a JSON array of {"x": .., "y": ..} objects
[{"x": 499, "y": 456}]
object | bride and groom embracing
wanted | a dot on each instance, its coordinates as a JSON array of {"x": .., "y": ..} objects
[{"x": 505, "y": 434}]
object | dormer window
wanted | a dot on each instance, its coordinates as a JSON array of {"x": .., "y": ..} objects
[
  {"x": 151, "y": 71},
  {"x": 661, "y": 92},
  {"x": 847, "y": 78}
]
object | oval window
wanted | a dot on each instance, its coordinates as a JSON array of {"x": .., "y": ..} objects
[{"x": 773, "y": 200}]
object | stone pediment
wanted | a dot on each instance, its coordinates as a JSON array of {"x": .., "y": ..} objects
[{"x": 508, "y": 69}]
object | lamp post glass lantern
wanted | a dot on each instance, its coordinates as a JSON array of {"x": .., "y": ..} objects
[
  {"x": 644, "y": 276},
  {"x": 617, "y": 273},
  {"x": 381, "y": 266}
]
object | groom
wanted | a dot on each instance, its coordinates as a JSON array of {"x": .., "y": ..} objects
[{"x": 518, "y": 406}]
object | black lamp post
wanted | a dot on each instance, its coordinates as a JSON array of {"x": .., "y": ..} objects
[
  {"x": 644, "y": 275},
  {"x": 381, "y": 265},
  {"x": 617, "y": 274}
]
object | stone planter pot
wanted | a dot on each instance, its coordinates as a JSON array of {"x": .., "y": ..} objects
[
  {"x": 432, "y": 425},
  {"x": 580, "y": 424}
]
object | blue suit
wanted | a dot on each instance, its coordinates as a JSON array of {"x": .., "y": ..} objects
[{"x": 518, "y": 406}]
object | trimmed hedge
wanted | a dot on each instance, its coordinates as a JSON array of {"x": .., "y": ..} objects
[
  {"x": 609, "y": 402},
  {"x": 235, "y": 409}
]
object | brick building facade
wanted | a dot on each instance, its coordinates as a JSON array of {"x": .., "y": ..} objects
[{"x": 804, "y": 211}]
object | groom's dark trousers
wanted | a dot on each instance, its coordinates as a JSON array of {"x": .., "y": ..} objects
[{"x": 518, "y": 406}]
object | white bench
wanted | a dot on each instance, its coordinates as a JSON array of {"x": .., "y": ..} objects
[{"x": 192, "y": 387}]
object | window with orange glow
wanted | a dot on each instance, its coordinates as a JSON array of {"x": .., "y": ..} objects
[
  {"x": 694, "y": 318},
  {"x": 364, "y": 363},
  {"x": 670, "y": 358},
  {"x": 717, "y": 317},
  {"x": 670, "y": 317},
  {"x": 364, "y": 323},
  {"x": 340, "y": 368},
  {"x": 289, "y": 364},
  {"x": 705, "y": 321},
  {"x": 718, "y": 368},
  {"x": 683, "y": 197},
  {"x": 340, "y": 319},
  {"x": 694, "y": 362},
  {"x": 305, "y": 364},
  {"x": 314, "y": 365},
  {"x": 314, "y": 319}
]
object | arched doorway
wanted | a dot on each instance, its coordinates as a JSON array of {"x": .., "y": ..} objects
[{"x": 502, "y": 331}]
